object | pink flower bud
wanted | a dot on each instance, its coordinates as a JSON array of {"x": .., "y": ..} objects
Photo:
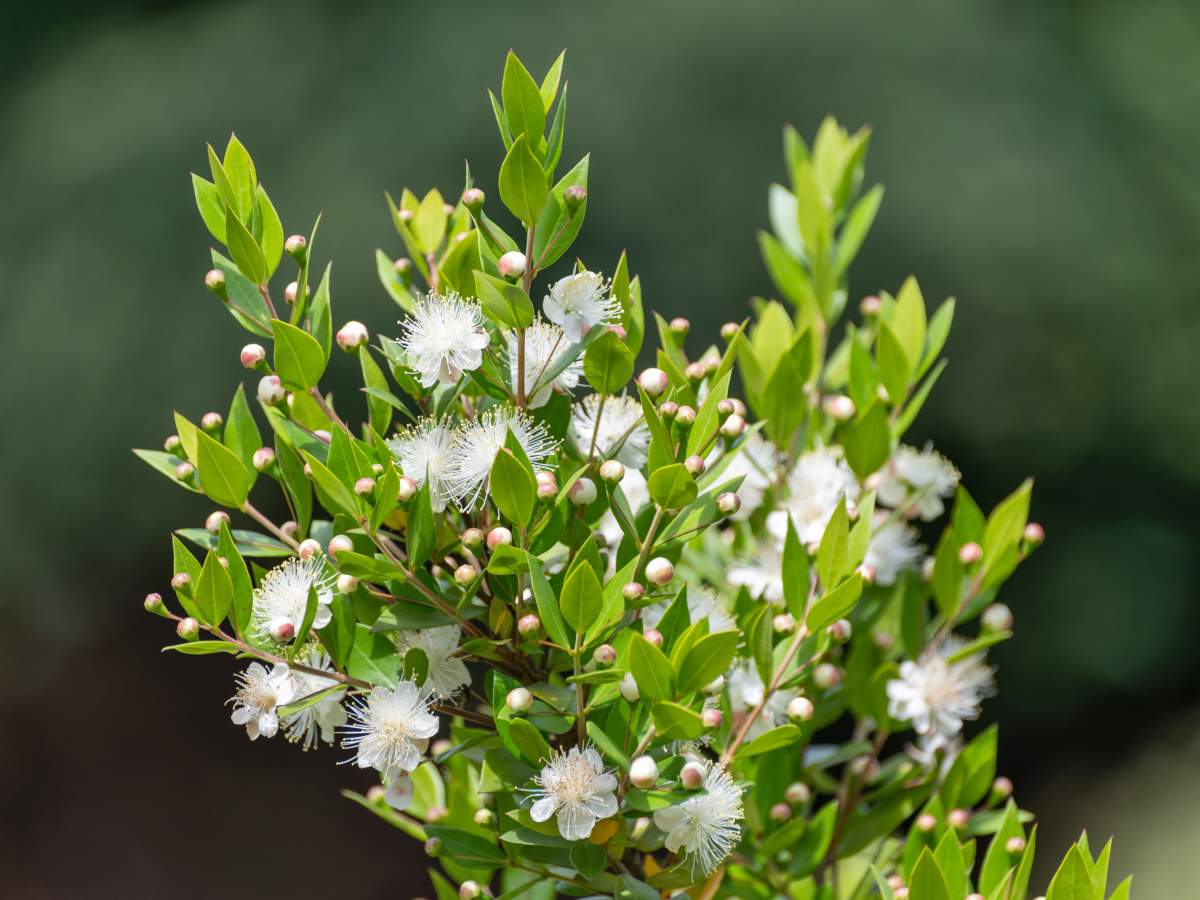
[
  {"x": 347, "y": 584},
  {"x": 323, "y": 435},
  {"x": 308, "y": 549},
  {"x": 970, "y": 553},
  {"x": 726, "y": 408},
  {"x": 654, "y": 636},
  {"x": 838, "y": 407},
  {"x": 214, "y": 280},
  {"x": 691, "y": 776},
  {"x": 498, "y": 537},
  {"x": 1034, "y": 533},
  {"x": 927, "y": 567},
  {"x": 798, "y": 793},
  {"x": 472, "y": 538},
  {"x": 529, "y": 625},
  {"x": 340, "y": 543},
  {"x": 900, "y": 893},
  {"x": 728, "y": 330},
  {"x": 711, "y": 718},
  {"x": 214, "y": 521},
  {"x": 211, "y": 422},
  {"x": 352, "y": 335},
  {"x": 290, "y": 291},
  {"x": 668, "y": 409},
  {"x": 1002, "y": 787},
  {"x": 519, "y": 700},
  {"x": 895, "y": 882},
  {"x": 406, "y": 216},
  {"x": 469, "y": 890},
  {"x": 282, "y": 630},
  {"x": 619, "y": 331},
  {"x": 870, "y": 305},
  {"x": 694, "y": 371},
  {"x": 733, "y": 426},
  {"x": 632, "y": 591},
  {"x": 728, "y": 503},
  {"x": 694, "y": 464},
  {"x": 188, "y": 629},
  {"x": 840, "y": 630},
  {"x": 781, "y": 812},
  {"x": 296, "y": 247},
  {"x": 433, "y": 846},
  {"x": 407, "y": 489},
  {"x": 472, "y": 199},
  {"x": 154, "y": 604},
  {"x": 866, "y": 572},
  {"x": 653, "y": 381},
  {"x": 605, "y": 655},
  {"x": 253, "y": 356},
  {"x": 185, "y": 471},
  {"x": 685, "y": 416},
  {"x": 582, "y": 492},
  {"x": 270, "y": 390},
  {"x": 172, "y": 444},
  {"x": 643, "y": 772},
  {"x": 1015, "y": 846},
  {"x": 680, "y": 325},
  {"x": 800, "y": 709},
  {"x": 926, "y": 823},
  {"x": 958, "y": 818},
  {"x": 403, "y": 267},
  {"x": 826, "y": 676},
  {"x": 181, "y": 582},
  {"x": 883, "y": 640},
  {"x": 976, "y": 897},
  {"x": 465, "y": 574},
  {"x": 660, "y": 571},
  {"x": 512, "y": 264},
  {"x": 997, "y": 617},
  {"x": 364, "y": 486},
  {"x": 574, "y": 196},
  {"x": 784, "y": 623},
  {"x": 612, "y": 471}
]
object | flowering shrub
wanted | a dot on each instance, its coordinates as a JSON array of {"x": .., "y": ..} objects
[{"x": 602, "y": 638}]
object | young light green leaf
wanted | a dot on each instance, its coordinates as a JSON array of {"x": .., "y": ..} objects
[
  {"x": 299, "y": 360},
  {"x": 523, "y": 182}
]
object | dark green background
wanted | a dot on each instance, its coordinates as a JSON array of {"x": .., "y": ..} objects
[{"x": 1039, "y": 160}]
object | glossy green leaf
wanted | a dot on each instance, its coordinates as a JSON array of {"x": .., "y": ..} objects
[
  {"x": 651, "y": 669},
  {"x": 608, "y": 363},
  {"x": 523, "y": 186},
  {"x": 224, "y": 478}
]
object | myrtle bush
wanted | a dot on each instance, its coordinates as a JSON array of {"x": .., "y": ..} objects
[{"x": 716, "y": 630}]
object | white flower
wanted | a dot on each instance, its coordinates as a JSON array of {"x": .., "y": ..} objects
[
  {"x": 423, "y": 451},
  {"x": 705, "y": 826},
  {"x": 622, "y": 434},
  {"x": 703, "y": 603},
  {"x": 474, "y": 447},
  {"x": 447, "y": 673},
  {"x": 544, "y": 345},
  {"x": 762, "y": 576},
  {"x": 938, "y": 696},
  {"x": 259, "y": 692},
  {"x": 317, "y": 722},
  {"x": 282, "y": 597},
  {"x": 391, "y": 729},
  {"x": 893, "y": 548},
  {"x": 746, "y": 690},
  {"x": 576, "y": 786},
  {"x": 757, "y": 460},
  {"x": 579, "y": 302},
  {"x": 444, "y": 337},
  {"x": 816, "y": 485},
  {"x": 920, "y": 478}
]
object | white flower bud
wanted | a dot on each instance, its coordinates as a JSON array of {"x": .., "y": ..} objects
[
  {"x": 926, "y": 823},
  {"x": 185, "y": 471},
  {"x": 1002, "y": 787},
  {"x": 172, "y": 444},
  {"x": 347, "y": 584},
  {"x": 290, "y": 292},
  {"x": 376, "y": 793},
  {"x": 295, "y": 247},
  {"x": 270, "y": 391},
  {"x": 958, "y": 818},
  {"x": 472, "y": 538},
  {"x": 798, "y": 793},
  {"x": 653, "y": 381},
  {"x": 643, "y": 772},
  {"x": 733, "y": 426},
  {"x": 840, "y": 630},
  {"x": 605, "y": 655},
  {"x": 340, "y": 543},
  {"x": 728, "y": 503},
  {"x": 612, "y": 471},
  {"x": 407, "y": 489},
  {"x": 308, "y": 548},
  {"x": 281, "y": 630},
  {"x": 660, "y": 571},
  {"x": 927, "y": 566},
  {"x": 469, "y": 890},
  {"x": 403, "y": 267},
  {"x": 498, "y": 537},
  {"x": 214, "y": 280},
  {"x": 214, "y": 521},
  {"x": 781, "y": 812},
  {"x": 976, "y": 897},
  {"x": 263, "y": 459},
  {"x": 352, "y": 335},
  {"x": 895, "y": 882},
  {"x": 680, "y": 325},
  {"x": 484, "y": 817},
  {"x": 900, "y": 893},
  {"x": 1034, "y": 533},
  {"x": 694, "y": 464},
  {"x": 870, "y": 305},
  {"x": 654, "y": 636},
  {"x": 181, "y": 582},
  {"x": 800, "y": 709},
  {"x": 629, "y": 688},
  {"x": 685, "y": 416},
  {"x": 323, "y": 435},
  {"x": 364, "y": 486},
  {"x": 188, "y": 629},
  {"x": 154, "y": 604},
  {"x": 512, "y": 264},
  {"x": 582, "y": 492},
  {"x": 211, "y": 422},
  {"x": 838, "y": 407},
  {"x": 970, "y": 553},
  {"x": 519, "y": 700},
  {"x": 695, "y": 371},
  {"x": 784, "y": 623},
  {"x": 997, "y": 617},
  {"x": 632, "y": 591},
  {"x": 711, "y": 718},
  {"x": 691, "y": 776},
  {"x": 472, "y": 199},
  {"x": 668, "y": 409},
  {"x": 253, "y": 356},
  {"x": 529, "y": 625},
  {"x": 1015, "y": 846},
  {"x": 827, "y": 675},
  {"x": 728, "y": 330},
  {"x": 465, "y": 575}
]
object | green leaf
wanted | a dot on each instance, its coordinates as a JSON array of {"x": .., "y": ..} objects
[
  {"x": 811, "y": 849},
  {"x": 998, "y": 861},
  {"x": 239, "y": 169},
  {"x": 854, "y": 232},
  {"x": 321, "y": 314},
  {"x": 299, "y": 359},
  {"x": 782, "y": 401},
  {"x": 672, "y": 487},
  {"x": 272, "y": 235},
  {"x": 504, "y": 303},
  {"x": 331, "y": 486},
  {"x": 895, "y": 367},
  {"x": 385, "y": 268},
  {"x": 949, "y": 859},
  {"x": 582, "y": 597},
  {"x": 868, "y": 440},
  {"x": 524, "y": 107},
  {"x": 204, "y": 648},
  {"x": 523, "y": 182},
  {"x": 246, "y": 253},
  {"x": 834, "y": 553},
  {"x": 675, "y": 722},
  {"x": 164, "y": 463},
  {"x": 373, "y": 657},
  {"x": 926, "y": 881},
  {"x": 1073, "y": 880},
  {"x": 709, "y": 657},
  {"x": 213, "y": 593},
  {"x": 379, "y": 412},
  {"x": 588, "y": 858},
  {"x": 529, "y": 741},
  {"x": 795, "y": 572},
  {"x": 835, "y": 605},
  {"x": 1004, "y": 529},
  {"x": 466, "y": 848},
  {"x": 222, "y": 475},
  {"x": 429, "y": 223},
  {"x": 947, "y": 575},
  {"x": 547, "y": 604},
  {"x": 239, "y": 579},
  {"x": 908, "y": 321},
  {"x": 211, "y": 206},
  {"x": 513, "y": 488},
  {"x": 776, "y": 738},
  {"x": 608, "y": 363},
  {"x": 651, "y": 669},
  {"x": 241, "y": 432},
  {"x": 421, "y": 532}
]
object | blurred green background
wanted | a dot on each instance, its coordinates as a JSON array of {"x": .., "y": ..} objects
[{"x": 1039, "y": 160}]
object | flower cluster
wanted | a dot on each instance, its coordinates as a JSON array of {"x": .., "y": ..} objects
[{"x": 713, "y": 629}]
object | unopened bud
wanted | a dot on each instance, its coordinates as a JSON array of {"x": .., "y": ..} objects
[
  {"x": 215, "y": 282},
  {"x": 323, "y": 435},
  {"x": 1015, "y": 846},
  {"x": 296, "y": 247},
  {"x": 798, "y": 793},
  {"x": 182, "y": 583},
  {"x": 781, "y": 812},
  {"x": 711, "y": 718},
  {"x": 958, "y": 818},
  {"x": 827, "y": 675},
  {"x": 653, "y": 381},
  {"x": 927, "y": 567},
  {"x": 866, "y": 572},
  {"x": 728, "y": 330},
  {"x": 840, "y": 630},
  {"x": 694, "y": 464},
  {"x": 308, "y": 548},
  {"x": 691, "y": 776},
  {"x": 895, "y": 882},
  {"x": 632, "y": 591},
  {"x": 347, "y": 584},
  {"x": 685, "y": 416},
  {"x": 211, "y": 422},
  {"x": 629, "y": 688},
  {"x": 654, "y": 636},
  {"x": 405, "y": 216},
  {"x": 253, "y": 356},
  {"x": 172, "y": 443},
  {"x": 900, "y": 893},
  {"x": 660, "y": 571},
  {"x": 728, "y": 503},
  {"x": 668, "y": 409},
  {"x": 282, "y": 630},
  {"x": 529, "y": 625},
  {"x": 680, "y": 325},
  {"x": 970, "y": 553},
  {"x": 376, "y": 793},
  {"x": 519, "y": 700},
  {"x": 926, "y": 822},
  {"x": 574, "y": 196},
  {"x": 695, "y": 371},
  {"x": 512, "y": 264},
  {"x": 352, "y": 335},
  {"x": 838, "y": 407},
  {"x": 484, "y": 817},
  {"x": 472, "y": 199},
  {"x": 733, "y": 426},
  {"x": 997, "y": 617},
  {"x": 340, "y": 543},
  {"x": 433, "y": 846},
  {"x": 643, "y": 772},
  {"x": 290, "y": 291},
  {"x": 784, "y": 623},
  {"x": 214, "y": 521},
  {"x": 870, "y": 305},
  {"x": 263, "y": 459},
  {"x": 1034, "y": 533},
  {"x": 800, "y": 709},
  {"x": 612, "y": 471},
  {"x": 582, "y": 492},
  {"x": 469, "y": 890},
  {"x": 976, "y": 897},
  {"x": 1002, "y": 787},
  {"x": 547, "y": 491},
  {"x": 883, "y": 640},
  {"x": 188, "y": 629},
  {"x": 185, "y": 471},
  {"x": 465, "y": 575},
  {"x": 270, "y": 390},
  {"x": 364, "y": 486},
  {"x": 605, "y": 655},
  {"x": 407, "y": 489},
  {"x": 403, "y": 267},
  {"x": 498, "y": 536},
  {"x": 154, "y": 604},
  {"x": 472, "y": 538}
]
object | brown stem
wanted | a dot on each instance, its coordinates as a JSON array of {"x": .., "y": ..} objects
[
  {"x": 266, "y": 295},
  {"x": 269, "y": 525},
  {"x": 328, "y": 410}
]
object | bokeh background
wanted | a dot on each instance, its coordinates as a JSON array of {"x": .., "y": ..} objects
[{"x": 1040, "y": 164}]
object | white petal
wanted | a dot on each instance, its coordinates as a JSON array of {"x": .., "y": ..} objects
[
  {"x": 602, "y": 805},
  {"x": 543, "y": 809},
  {"x": 575, "y": 823},
  {"x": 399, "y": 792},
  {"x": 668, "y": 819}
]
